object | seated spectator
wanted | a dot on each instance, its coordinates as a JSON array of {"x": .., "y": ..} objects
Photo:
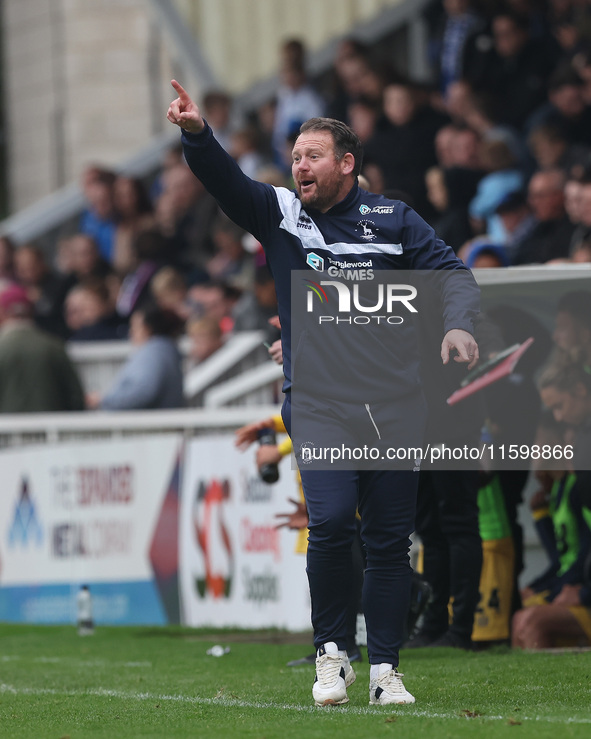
[
  {"x": 517, "y": 221},
  {"x": 582, "y": 64},
  {"x": 572, "y": 326},
  {"x": 482, "y": 115},
  {"x": 459, "y": 22},
  {"x": 551, "y": 147},
  {"x": 215, "y": 300},
  {"x": 573, "y": 189},
  {"x": 46, "y": 289},
  {"x": 355, "y": 78},
  {"x": 565, "y": 109},
  {"x": 6, "y": 258},
  {"x": 36, "y": 374},
  {"x": 566, "y": 391},
  {"x": 134, "y": 214},
  {"x": 90, "y": 313},
  {"x": 206, "y": 338},
  {"x": 559, "y": 520},
  {"x": 85, "y": 260},
  {"x": 486, "y": 256},
  {"x": 253, "y": 310},
  {"x": 459, "y": 147},
  {"x": 245, "y": 150},
  {"x": 444, "y": 145},
  {"x": 230, "y": 263},
  {"x": 503, "y": 178},
  {"x": 297, "y": 101},
  {"x": 578, "y": 205},
  {"x": 99, "y": 218},
  {"x": 550, "y": 239},
  {"x": 184, "y": 216},
  {"x": 172, "y": 157},
  {"x": 581, "y": 254},
  {"x": 456, "y": 101},
  {"x": 151, "y": 253},
  {"x": 363, "y": 116},
  {"x": 272, "y": 175},
  {"x": 449, "y": 197},
  {"x": 86, "y": 263},
  {"x": 402, "y": 146},
  {"x": 75, "y": 310},
  {"x": 217, "y": 109},
  {"x": 152, "y": 377},
  {"x": 516, "y": 68},
  {"x": 169, "y": 291}
]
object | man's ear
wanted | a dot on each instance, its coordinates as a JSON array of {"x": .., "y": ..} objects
[{"x": 347, "y": 163}]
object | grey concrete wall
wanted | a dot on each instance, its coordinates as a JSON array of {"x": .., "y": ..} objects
[{"x": 83, "y": 79}]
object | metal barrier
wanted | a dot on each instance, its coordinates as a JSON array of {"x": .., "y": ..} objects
[
  {"x": 99, "y": 362},
  {"x": 51, "y": 428}
]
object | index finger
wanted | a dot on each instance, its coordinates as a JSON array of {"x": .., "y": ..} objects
[{"x": 182, "y": 93}]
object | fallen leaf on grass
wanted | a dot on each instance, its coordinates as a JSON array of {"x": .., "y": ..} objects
[{"x": 470, "y": 714}]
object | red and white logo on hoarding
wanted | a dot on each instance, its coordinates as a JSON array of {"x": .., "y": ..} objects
[{"x": 216, "y": 568}]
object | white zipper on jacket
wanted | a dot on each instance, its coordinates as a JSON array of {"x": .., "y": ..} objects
[{"x": 368, "y": 409}]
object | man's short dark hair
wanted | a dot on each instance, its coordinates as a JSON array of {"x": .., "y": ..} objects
[{"x": 346, "y": 141}]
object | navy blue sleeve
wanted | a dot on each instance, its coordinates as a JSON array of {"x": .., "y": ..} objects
[
  {"x": 252, "y": 205},
  {"x": 450, "y": 277}
]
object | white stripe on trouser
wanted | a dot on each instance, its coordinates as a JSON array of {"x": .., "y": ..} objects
[{"x": 368, "y": 409}]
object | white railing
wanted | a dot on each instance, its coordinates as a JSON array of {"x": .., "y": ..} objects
[
  {"x": 99, "y": 362},
  {"x": 52, "y": 428},
  {"x": 261, "y": 384}
]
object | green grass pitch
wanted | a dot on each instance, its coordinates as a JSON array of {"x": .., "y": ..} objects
[{"x": 140, "y": 682}]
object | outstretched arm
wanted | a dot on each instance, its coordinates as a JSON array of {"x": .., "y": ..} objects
[
  {"x": 252, "y": 205},
  {"x": 183, "y": 112},
  {"x": 246, "y": 435}
]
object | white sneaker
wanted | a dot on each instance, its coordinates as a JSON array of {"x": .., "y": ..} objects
[
  {"x": 334, "y": 674},
  {"x": 389, "y": 688}
]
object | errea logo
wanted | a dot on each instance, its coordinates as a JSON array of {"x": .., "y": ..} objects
[{"x": 314, "y": 261}]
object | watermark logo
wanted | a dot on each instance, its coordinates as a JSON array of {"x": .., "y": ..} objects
[
  {"x": 315, "y": 261},
  {"x": 387, "y": 296},
  {"x": 360, "y": 307},
  {"x": 315, "y": 289},
  {"x": 306, "y": 452},
  {"x": 25, "y": 526}
]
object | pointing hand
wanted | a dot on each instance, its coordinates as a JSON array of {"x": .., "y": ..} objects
[{"x": 183, "y": 112}]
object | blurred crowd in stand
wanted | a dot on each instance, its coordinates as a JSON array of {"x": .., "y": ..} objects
[{"x": 494, "y": 153}]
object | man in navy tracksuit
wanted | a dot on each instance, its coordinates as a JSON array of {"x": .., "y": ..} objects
[{"x": 328, "y": 220}]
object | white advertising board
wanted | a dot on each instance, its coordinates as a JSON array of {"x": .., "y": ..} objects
[
  {"x": 236, "y": 567},
  {"x": 84, "y": 512}
]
